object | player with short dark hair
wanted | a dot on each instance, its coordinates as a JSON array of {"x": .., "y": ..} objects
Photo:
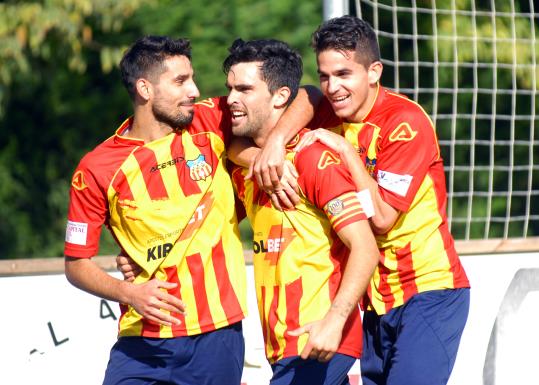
[
  {"x": 418, "y": 297},
  {"x": 313, "y": 263},
  {"x": 161, "y": 187}
]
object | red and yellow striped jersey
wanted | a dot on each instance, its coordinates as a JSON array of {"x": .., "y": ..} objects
[
  {"x": 170, "y": 206},
  {"x": 398, "y": 143},
  {"x": 298, "y": 257}
]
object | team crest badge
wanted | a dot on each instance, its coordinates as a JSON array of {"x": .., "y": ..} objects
[
  {"x": 335, "y": 207},
  {"x": 370, "y": 164},
  {"x": 78, "y": 181},
  {"x": 199, "y": 169}
]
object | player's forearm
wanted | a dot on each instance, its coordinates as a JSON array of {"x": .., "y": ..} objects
[
  {"x": 360, "y": 266},
  {"x": 297, "y": 116},
  {"x": 385, "y": 216},
  {"x": 84, "y": 274},
  {"x": 242, "y": 151}
]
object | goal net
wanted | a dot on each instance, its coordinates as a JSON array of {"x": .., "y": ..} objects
[{"x": 473, "y": 65}]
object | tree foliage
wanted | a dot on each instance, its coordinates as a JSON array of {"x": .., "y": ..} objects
[{"x": 61, "y": 94}]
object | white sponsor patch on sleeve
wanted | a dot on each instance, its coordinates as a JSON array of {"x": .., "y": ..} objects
[
  {"x": 396, "y": 183},
  {"x": 76, "y": 233},
  {"x": 364, "y": 197}
]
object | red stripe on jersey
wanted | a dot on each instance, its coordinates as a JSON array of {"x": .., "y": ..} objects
[
  {"x": 229, "y": 300},
  {"x": 121, "y": 186},
  {"x": 172, "y": 277},
  {"x": 202, "y": 141},
  {"x": 199, "y": 215},
  {"x": 384, "y": 288},
  {"x": 260, "y": 197},
  {"x": 294, "y": 292},
  {"x": 351, "y": 216},
  {"x": 405, "y": 267},
  {"x": 272, "y": 322},
  {"x": 150, "y": 329},
  {"x": 459, "y": 276},
  {"x": 196, "y": 268},
  {"x": 153, "y": 179},
  {"x": 187, "y": 184},
  {"x": 239, "y": 182}
]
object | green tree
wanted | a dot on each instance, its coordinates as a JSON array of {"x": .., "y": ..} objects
[{"x": 61, "y": 94}]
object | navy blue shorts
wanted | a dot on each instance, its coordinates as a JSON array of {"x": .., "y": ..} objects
[
  {"x": 213, "y": 358},
  {"x": 416, "y": 343},
  {"x": 297, "y": 371}
]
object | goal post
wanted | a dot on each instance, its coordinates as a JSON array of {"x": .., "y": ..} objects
[{"x": 473, "y": 66}]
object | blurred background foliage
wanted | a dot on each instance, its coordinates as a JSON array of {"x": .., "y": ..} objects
[{"x": 61, "y": 94}]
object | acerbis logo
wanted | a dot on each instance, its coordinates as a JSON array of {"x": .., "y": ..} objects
[
  {"x": 327, "y": 159},
  {"x": 403, "y": 132},
  {"x": 163, "y": 165},
  {"x": 78, "y": 181}
]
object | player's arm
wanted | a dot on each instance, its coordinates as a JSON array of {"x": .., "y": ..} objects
[
  {"x": 149, "y": 299},
  {"x": 385, "y": 215},
  {"x": 242, "y": 151},
  {"x": 268, "y": 164},
  {"x": 325, "y": 335}
]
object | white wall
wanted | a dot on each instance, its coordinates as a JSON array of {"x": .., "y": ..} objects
[{"x": 52, "y": 333}]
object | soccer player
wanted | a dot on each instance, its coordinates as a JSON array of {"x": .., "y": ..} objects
[
  {"x": 418, "y": 297},
  {"x": 161, "y": 187},
  {"x": 312, "y": 264}
]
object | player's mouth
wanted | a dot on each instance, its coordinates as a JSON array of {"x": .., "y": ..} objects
[
  {"x": 340, "y": 101},
  {"x": 188, "y": 103},
  {"x": 238, "y": 116}
]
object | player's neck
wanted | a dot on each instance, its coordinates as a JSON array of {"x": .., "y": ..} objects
[
  {"x": 367, "y": 106},
  {"x": 264, "y": 131},
  {"x": 147, "y": 128}
]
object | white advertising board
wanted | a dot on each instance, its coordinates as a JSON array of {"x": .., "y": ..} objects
[{"x": 53, "y": 333}]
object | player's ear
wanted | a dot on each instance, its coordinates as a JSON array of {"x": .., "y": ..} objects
[
  {"x": 144, "y": 88},
  {"x": 281, "y": 96},
  {"x": 374, "y": 72}
]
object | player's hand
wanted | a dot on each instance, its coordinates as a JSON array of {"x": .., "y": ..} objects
[
  {"x": 334, "y": 141},
  {"x": 287, "y": 193},
  {"x": 127, "y": 267},
  {"x": 267, "y": 166},
  {"x": 324, "y": 339},
  {"x": 152, "y": 301}
]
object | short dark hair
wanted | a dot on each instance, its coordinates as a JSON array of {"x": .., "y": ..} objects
[
  {"x": 347, "y": 33},
  {"x": 145, "y": 58},
  {"x": 281, "y": 65}
]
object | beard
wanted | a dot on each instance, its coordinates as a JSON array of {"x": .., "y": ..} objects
[
  {"x": 175, "y": 121},
  {"x": 252, "y": 125}
]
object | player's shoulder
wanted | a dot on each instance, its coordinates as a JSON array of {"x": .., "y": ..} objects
[
  {"x": 399, "y": 114},
  {"x": 211, "y": 115},
  {"x": 107, "y": 154},
  {"x": 316, "y": 156}
]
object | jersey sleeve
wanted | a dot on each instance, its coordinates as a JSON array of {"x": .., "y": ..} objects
[
  {"x": 87, "y": 213},
  {"x": 213, "y": 115},
  {"x": 407, "y": 150},
  {"x": 327, "y": 183}
]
